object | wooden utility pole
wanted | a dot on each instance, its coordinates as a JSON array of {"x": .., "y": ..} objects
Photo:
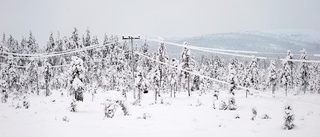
[{"x": 133, "y": 60}]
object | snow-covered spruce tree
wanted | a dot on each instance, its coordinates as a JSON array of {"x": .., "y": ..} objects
[
  {"x": 145, "y": 47},
  {"x": 4, "y": 92},
  {"x": 87, "y": 41},
  {"x": 12, "y": 45},
  {"x": 242, "y": 75},
  {"x": 76, "y": 73},
  {"x": 47, "y": 76},
  {"x": 50, "y": 44},
  {"x": 144, "y": 62},
  {"x": 185, "y": 64},
  {"x": 156, "y": 83},
  {"x": 32, "y": 73},
  {"x": 272, "y": 77},
  {"x": 286, "y": 76},
  {"x": 3, "y": 47},
  {"x": 32, "y": 45},
  {"x": 253, "y": 73},
  {"x": 162, "y": 56},
  {"x": 106, "y": 42},
  {"x": 314, "y": 84},
  {"x": 232, "y": 79},
  {"x": 141, "y": 85},
  {"x": 304, "y": 71},
  {"x": 173, "y": 78},
  {"x": 12, "y": 76},
  {"x": 75, "y": 39},
  {"x": 288, "y": 117},
  {"x": 215, "y": 98}
]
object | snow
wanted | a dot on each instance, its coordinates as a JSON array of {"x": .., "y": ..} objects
[{"x": 181, "y": 116}]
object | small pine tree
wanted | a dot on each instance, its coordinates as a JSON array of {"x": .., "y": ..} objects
[
  {"x": 4, "y": 87},
  {"x": 272, "y": 76},
  {"x": 32, "y": 45},
  {"x": 254, "y": 113},
  {"x": 156, "y": 81},
  {"x": 141, "y": 86},
  {"x": 215, "y": 98},
  {"x": 186, "y": 64},
  {"x": 304, "y": 71},
  {"x": 73, "y": 106},
  {"x": 76, "y": 74},
  {"x": 288, "y": 117},
  {"x": 162, "y": 56},
  {"x": 47, "y": 76},
  {"x": 253, "y": 73},
  {"x": 232, "y": 79}
]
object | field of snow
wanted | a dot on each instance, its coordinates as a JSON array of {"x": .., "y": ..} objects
[{"x": 180, "y": 116}]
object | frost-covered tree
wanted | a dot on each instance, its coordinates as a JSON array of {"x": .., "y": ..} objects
[
  {"x": 156, "y": 83},
  {"x": 3, "y": 90},
  {"x": 232, "y": 68},
  {"x": 32, "y": 73},
  {"x": 286, "y": 76},
  {"x": 185, "y": 64},
  {"x": 76, "y": 73},
  {"x": 12, "y": 45},
  {"x": 272, "y": 77},
  {"x": 87, "y": 40},
  {"x": 288, "y": 117},
  {"x": 141, "y": 85},
  {"x": 173, "y": 78},
  {"x": 32, "y": 45},
  {"x": 242, "y": 75},
  {"x": 253, "y": 73},
  {"x": 304, "y": 71},
  {"x": 75, "y": 39},
  {"x": 106, "y": 42},
  {"x": 47, "y": 76},
  {"x": 24, "y": 46},
  {"x": 50, "y": 44},
  {"x": 3, "y": 48},
  {"x": 162, "y": 56},
  {"x": 232, "y": 80},
  {"x": 12, "y": 77},
  {"x": 314, "y": 81}
]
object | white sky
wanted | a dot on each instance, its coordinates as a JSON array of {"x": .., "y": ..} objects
[{"x": 165, "y": 18}]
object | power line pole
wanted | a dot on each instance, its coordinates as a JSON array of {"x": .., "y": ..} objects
[{"x": 133, "y": 60}]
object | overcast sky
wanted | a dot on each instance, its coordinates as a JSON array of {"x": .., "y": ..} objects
[{"x": 165, "y": 18}]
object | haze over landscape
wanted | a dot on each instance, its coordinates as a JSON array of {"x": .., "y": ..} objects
[{"x": 165, "y": 18}]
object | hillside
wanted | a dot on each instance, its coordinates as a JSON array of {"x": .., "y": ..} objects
[{"x": 276, "y": 42}]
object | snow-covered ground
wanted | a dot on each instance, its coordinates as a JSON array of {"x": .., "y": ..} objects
[{"x": 180, "y": 116}]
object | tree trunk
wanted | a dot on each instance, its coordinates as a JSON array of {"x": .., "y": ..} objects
[
  {"x": 156, "y": 92},
  {"x": 171, "y": 90},
  {"x": 189, "y": 85},
  {"x": 176, "y": 89},
  {"x": 37, "y": 84},
  {"x": 47, "y": 92},
  {"x": 286, "y": 88},
  {"x": 273, "y": 87}
]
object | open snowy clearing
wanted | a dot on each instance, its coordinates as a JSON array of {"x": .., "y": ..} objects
[{"x": 181, "y": 116}]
